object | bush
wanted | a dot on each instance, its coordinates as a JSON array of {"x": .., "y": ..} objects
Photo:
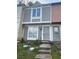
[
  {"x": 35, "y": 42},
  {"x": 22, "y": 41}
]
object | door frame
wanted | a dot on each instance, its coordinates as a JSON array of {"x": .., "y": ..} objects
[{"x": 50, "y": 32}]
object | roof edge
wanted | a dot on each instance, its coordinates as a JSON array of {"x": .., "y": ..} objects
[{"x": 56, "y": 3}]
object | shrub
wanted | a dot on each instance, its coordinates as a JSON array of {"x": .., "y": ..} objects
[
  {"x": 22, "y": 41},
  {"x": 34, "y": 43},
  {"x": 37, "y": 42}
]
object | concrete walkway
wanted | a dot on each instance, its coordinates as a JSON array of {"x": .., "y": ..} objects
[
  {"x": 43, "y": 56},
  {"x": 44, "y": 51}
]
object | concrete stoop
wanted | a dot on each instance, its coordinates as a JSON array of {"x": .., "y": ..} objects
[
  {"x": 45, "y": 42},
  {"x": 43, "y": 56},
  {"x": 45, "y": 46},
  {"x": 44, "y": 51}
]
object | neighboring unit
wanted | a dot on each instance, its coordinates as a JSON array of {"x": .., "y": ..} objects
[{"x": 20, "y": 15}]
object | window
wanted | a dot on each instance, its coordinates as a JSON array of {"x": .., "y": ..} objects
[
  {"x": 56, "y": 29},
  {"x": 36, "y": 12},
  {"x": 33, "y": 32}
]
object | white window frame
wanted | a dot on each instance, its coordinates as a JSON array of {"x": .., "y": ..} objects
[
  {"x": 38, "y": 17},
  {"x": 56, "y": 29},
  {"x": 32, "y": 27}
]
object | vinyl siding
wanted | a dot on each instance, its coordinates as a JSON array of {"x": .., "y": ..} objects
[
  {"x": 27, "y": 15},
  {"x": 25, "y": 32},
  {"x": 45, "y": 13}
]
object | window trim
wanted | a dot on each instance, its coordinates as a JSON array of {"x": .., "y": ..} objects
[
  {"x": 40, "y": 17},
  {"x": 31, "y": 27},
  {"x": 38, "y": 10}
]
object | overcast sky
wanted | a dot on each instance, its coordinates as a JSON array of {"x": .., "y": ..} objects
[
  {"x": 43, "y": 1},
  {"x": 46, "y": 1}
]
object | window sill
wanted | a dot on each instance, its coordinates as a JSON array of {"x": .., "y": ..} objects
[
  {"x": 36, "y": 22},
  {"x": 31, "y": 38}
]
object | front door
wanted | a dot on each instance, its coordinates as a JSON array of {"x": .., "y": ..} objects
[{"x": 45, "y": 33}]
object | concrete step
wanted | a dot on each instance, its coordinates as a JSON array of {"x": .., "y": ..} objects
[
  {"x": 45, "y": 41},
  {"x": 43, "y": 56},
  {"x": 45, "y": 51},
  {"x": 45, "y": 46}
]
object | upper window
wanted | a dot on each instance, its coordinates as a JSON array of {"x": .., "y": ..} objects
[{"x": 36, "y": 12}]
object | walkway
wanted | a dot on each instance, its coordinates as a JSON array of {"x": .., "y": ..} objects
[{"x": 44, "y": 51}]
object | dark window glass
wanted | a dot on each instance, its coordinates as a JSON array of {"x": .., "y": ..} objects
[
  {"x": 34, "y": 13},
  {"x": 38, "y": 12}
]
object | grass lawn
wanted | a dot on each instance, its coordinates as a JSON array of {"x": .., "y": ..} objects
[
  {"x": 55, "y": 53},
  {"x": 23, "y": 53}
]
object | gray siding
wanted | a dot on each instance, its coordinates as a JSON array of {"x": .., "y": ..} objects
[
  {"x": 56, "y": 36},
  {"x": 45, "y": 13},
  {"x": 27, "y": 15},
  {"x": 25, "y": 32}
]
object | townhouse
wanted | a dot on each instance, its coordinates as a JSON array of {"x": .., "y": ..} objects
[{"x": 42, "y": 21}]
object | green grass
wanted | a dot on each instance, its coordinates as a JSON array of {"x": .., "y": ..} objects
[
  {"x": 23, "y": 53},
  {"x": 55, "y": 53}
]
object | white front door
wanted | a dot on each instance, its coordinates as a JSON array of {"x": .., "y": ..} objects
[{"x": 45, "y": 33}]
